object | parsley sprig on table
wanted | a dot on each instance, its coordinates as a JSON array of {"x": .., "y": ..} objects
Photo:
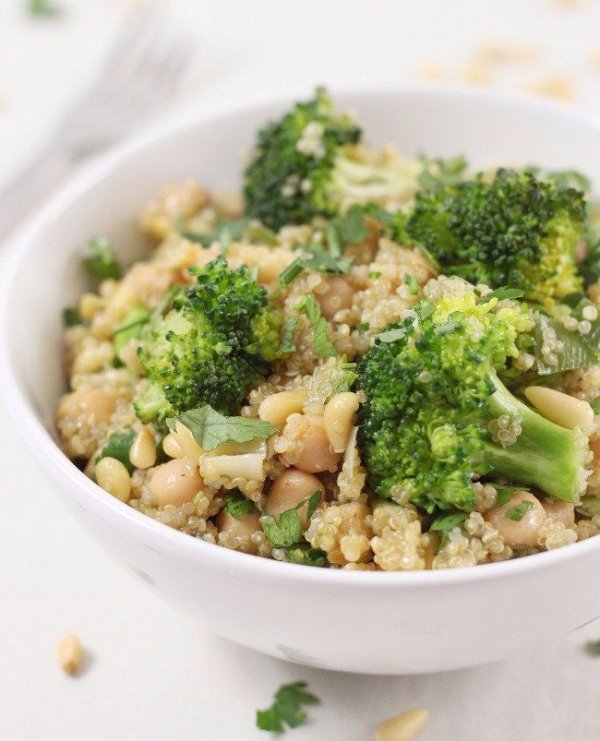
[
  {"x": 286, "y": 708},
  {"x": 43, "y": 8}
]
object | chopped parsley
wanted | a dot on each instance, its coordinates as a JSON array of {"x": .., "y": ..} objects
[
  {"x": 593, "y": 648},
  {"x": 349, "y": 228},
  {"x": 72, "y": 318},
  {"x": 286, "y": 530},
  {"x": 505, "y": 493},
  {"x": 444, "y": 524},
  {"x": 305, "y": 555},
  {"x": 117, "y": 446},
  {"x": 130, "y": 328},
  {"x": 501, "y": 294},
  {"x": 227, "y": 231},
  {"x": 237, "y": 505},
  {"x": 211, "y": 429},
  {"x": 518, "y": 512},
  {"x": 323, "y": 345},
  {"x": 43, "y": 9},
  {"x": 315, "y": 257},
  {"x": 286, "y": 708},
  {"x": 287, "y": 344},
  {"x": 413, "y": 286},
  {"x": 101, "y": 262},
  {"x": 438, "y": 172}
]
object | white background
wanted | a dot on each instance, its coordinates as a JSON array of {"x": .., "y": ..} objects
[{"x": 151, "y": 674}]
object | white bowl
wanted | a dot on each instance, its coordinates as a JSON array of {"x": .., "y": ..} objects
[{"x": 392, "y": 623}]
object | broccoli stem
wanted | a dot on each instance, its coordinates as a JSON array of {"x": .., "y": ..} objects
[
  {"x": 544, "y": 455},
  {"x": 362, "y": 182}
]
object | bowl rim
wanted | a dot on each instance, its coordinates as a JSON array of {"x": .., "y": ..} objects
[{"x": 48, "y": 454}]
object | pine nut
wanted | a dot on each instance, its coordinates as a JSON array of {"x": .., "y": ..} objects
[
  {"x": 278, "y": 407},
  {"x": 403, "y": 727},
  {"x": 172, "y": 447},
  {"x": 338, "y": 418},
  {"x": 561, "y": 408},
  {"x": 70, "y": 653},
  {"x": 112, "y": 476},
  {"x": 142, "y": 453},
  {"x": 186, "y": 441}
]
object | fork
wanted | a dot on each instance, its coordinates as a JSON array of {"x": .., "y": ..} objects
[{"x": 144, "y": 66}]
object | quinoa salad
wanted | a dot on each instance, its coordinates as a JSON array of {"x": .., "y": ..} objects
[{"x": 362, "y": 361}]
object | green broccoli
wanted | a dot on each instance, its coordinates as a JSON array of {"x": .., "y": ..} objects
[
  {"x": 305, "y": 164},
  {"x": 511, "y": 230},
  {"x": 437, "y": 417},
  {"x": 211, "y": 347}
]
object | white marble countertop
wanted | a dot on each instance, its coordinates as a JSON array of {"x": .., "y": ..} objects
[{"x": 152, "y": 674}]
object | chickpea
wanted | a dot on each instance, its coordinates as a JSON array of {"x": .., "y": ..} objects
[
  {"x": 93, "y": 404},
  {"x": 560, "y": 511},
  {"x": 521, "y": 533},
  {"x": 311, "y": 450},
  {"x": 291, "y": 488},
  {"x": 338, "y": 296},
  {"x": 175, "y": 482},
  {"x": 239, "y": 530}
]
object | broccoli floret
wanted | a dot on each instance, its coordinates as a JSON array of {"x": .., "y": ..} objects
[
  {"x": 210, "y": 348},
  {"x": 511, "y": 230},
  {"x": 306, "y": 164},
  {"x": 438, "y": 417}
]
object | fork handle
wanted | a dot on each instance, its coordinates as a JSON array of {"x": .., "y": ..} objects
[{"x": 25, "y": 193}]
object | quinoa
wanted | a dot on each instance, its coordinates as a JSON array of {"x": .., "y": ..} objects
[{"x": 350, "y": 528}]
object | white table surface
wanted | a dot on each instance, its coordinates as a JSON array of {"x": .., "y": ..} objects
[{"x": 152, "y": 674}]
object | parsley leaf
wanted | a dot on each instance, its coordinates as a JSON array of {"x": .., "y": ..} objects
[
  {"x": 286, "y": 708},
  {"x": 445, "y": 523},
  {"x": 211, "y": 429},
  {"x": 304, "y": 554},
  {"x": 286, "y": 530},
  {"x": 227, "y": 231},
  {"x": 322, "y": 343},
  {"x": 287, "y": 344},
  {"x": 71, "y": 317},
  {"x": 595, "y": 404},
  {"x": 505, "y": 493},
  {"x": 593, "y": 648},
  {"x": 350, "y": 228},
  {"x": 314, "y": 257},
  {"x": 291, "y": 272},
  {"x": 413, "y": 286},
  {"x": 518, "y": 512},
  {"x": 117, "y": 446},
  {"x": 438, "y": 172},
  {"x": 102, "y": 263},
  {"x": 237, "y": 505},
  {"x": 43, "y": 9},
  {"x": 501, "y": 294}
]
